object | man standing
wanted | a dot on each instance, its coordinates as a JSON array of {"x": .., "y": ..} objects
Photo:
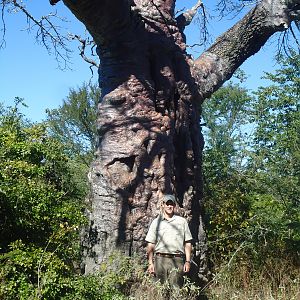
[{"x": 169, "y": 245}]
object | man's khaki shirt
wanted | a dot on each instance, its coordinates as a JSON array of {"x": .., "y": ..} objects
[{"x": 169, "y": 236}]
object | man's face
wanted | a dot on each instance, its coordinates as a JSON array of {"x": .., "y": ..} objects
[{"x": 169, "y": 207}]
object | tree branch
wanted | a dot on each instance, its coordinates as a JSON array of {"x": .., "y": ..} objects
[
  {"x": 186, "y": 18},
  {"x": 47, "y": 34},
  {"x": 86, "y": 43},
  {"x": 244, "y": 39},
  {"x": 2, "y": 42}
]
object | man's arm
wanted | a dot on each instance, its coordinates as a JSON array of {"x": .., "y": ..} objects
[
  {"x": 188, "y": 256},
  {"x": 150, "y": 254}
]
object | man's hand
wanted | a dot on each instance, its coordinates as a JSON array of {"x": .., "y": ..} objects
[
  {"x": 150, "y": 254},
  {"x": 187, "y": 267},
  {"x": 151, "y": 268},
  {"x": 188, "y": 254}
]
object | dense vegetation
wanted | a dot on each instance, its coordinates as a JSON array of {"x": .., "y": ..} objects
[
  {"x": 252, "y": 175},
  {"x": 252, "y": 179},
  {"x": 41, "y": 211}
]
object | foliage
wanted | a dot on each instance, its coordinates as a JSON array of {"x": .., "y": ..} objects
[
  {"x": 74, "y": 122},
  {"x": 252, "y": 206},
  {"x": 125, "y": 276},
  {"x": 277, "y": 137},
  {"x": 37, "y": 274},
  {"x": 37, "y": 193},
  {"x": 275, "y": 159},
  {"x": 226, "y": 116},
  {"x": 74, "y": 125},
  {"x": 41, "y": 209}
]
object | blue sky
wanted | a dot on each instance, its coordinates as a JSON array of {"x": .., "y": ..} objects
[{"x": 29, "y": 72}]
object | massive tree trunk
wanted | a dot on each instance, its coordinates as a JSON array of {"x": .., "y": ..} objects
[{"x": 150, "y": 141}]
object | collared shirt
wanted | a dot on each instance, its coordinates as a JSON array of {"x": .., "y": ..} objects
[{"x": 169, "y": 236}]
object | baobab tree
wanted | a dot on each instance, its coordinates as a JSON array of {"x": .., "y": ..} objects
[{"x": 149, "y": 138}]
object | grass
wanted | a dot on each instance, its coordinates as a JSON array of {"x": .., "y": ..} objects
[{"x": 274, "y": 280}]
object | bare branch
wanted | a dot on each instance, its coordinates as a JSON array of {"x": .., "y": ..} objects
[
  {"x": 228, "y": 7},
  {"x": 2, "y": 42},
  {"x": 186, "y": 18},
  {"x": 285, "y": 43},
  {"x": 48, "y": 34},
  {"x": 203, "y": 25},
  {"x": 194, "y": 45},
  {"x": 86, "y": 43}
]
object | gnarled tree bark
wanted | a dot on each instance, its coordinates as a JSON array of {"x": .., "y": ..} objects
[{"x": 150, "y": 141}]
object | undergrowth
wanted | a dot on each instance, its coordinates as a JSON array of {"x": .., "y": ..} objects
[
  {"x": 125, "y": 278},
  {"x": 275, "y": 279}
]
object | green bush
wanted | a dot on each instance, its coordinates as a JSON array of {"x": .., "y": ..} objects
[
  {"x": 41, "y": 211},
  {"x": 36, "y": 188}
]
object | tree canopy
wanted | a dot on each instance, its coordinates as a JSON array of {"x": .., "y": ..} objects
[{"x": 74, "y": 122}]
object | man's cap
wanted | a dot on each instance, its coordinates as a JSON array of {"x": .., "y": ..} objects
[{"x": 168, "y": 197}]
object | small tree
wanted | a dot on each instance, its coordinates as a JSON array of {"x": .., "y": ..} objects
[
  {"x": 74, "y": 122},
  {"x": 227, "y": 124},
  {"x": 276, "y": 160}
]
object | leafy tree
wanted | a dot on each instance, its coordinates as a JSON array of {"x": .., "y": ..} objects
[
  {"x": 74, "y": 125},
  {"x": 227, "y": 129},
  {"x": 227, "y": 124},
  {"x": 37, "y": 194},
  {"x": 275, "y": 160},
  {"x": 277, "y": 135},
  {"x": 74, "y": 122}
]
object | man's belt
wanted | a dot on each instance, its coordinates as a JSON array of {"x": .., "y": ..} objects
[{"x": 170, "y": 255}]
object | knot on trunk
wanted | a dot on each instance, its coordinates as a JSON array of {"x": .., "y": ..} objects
[{"x": 116, "y": 97}]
